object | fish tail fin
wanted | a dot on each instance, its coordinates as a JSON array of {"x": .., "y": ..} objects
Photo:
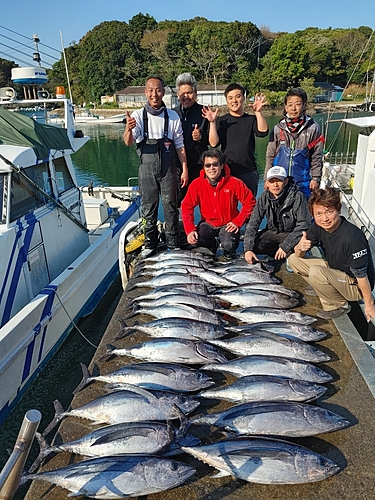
[
  {"x": 124, "y": 330},
  {"x": 59, "y": 415},
  {"x": 108, "y": 354},
  {"x": 134, "y": 312},
  {"x": 86, "y": 377},
  {"x": 45, "y": 450}
]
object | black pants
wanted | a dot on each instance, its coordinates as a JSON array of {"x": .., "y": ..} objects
[
  {"x": 154, "y": 180},
  {"x": 207, "y": 237},
  {"x": 267, "y": 242}
]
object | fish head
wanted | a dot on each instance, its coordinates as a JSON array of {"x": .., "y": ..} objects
[
  {"x": 185, "y": 403},
  {"x": 210, "y": 353},
  {"x": 163, "y": 474},
  {"x": 193, "y": 381},
  {"x": 313, "y": 466}
]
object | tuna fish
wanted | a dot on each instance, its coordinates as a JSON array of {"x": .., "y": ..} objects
[
  {"x": 284, "y": 329},
  {"x": 270, "y": 287},
  {"x": 286, "y": 418},
  {"x": 259, "y": 314},
  {"x": 177, "y": 328},
  {"x": 118, "y": 476},
  {"x": 157, "y": 376},
  {"x": 132, "y": 404},
  {"x": 178, "y": 311},
  {"x": 254, "y": 298},
  {"x": 266, "y": 388},
  {"x": 169, "y": 350},
  {"x": 271, "y": 344},
  {"x": 243, "y": 277},
  {"x": 167, "y": 279},
  {"x": 177, "y": 261},
  {"x": 145, "y": 438},
  {"x": 177, "y": 298},
  {"x": 272, "y": 365},
  {"x": 265, "y": 461}
]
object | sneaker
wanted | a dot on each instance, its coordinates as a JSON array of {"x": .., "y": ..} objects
[
  {"x": 148, "y": 252},
  {"x": 289, "y": 269},
  {"x": 310, "y": 291},
  {"x": 336, "y": 313}
]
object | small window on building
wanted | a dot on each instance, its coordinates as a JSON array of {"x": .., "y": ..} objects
[
  {"x": 64, "y": 180},
  {"x": 24, "y": 196}
]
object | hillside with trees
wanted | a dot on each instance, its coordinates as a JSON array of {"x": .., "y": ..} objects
[{"x": 116, "y": 54}]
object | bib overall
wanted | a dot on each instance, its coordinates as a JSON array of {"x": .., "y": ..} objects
[{"x": 158, "y": 175}]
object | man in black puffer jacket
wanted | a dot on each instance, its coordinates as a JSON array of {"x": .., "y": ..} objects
[{"x": 285, "y": 208}]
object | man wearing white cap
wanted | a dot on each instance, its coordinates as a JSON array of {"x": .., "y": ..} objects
[{"x": 285, "y": 208}]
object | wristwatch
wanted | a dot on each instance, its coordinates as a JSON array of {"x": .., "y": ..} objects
[{"x": 316, "y": 179}]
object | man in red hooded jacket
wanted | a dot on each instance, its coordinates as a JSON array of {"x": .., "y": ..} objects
[{"x": 217, "y": 194}]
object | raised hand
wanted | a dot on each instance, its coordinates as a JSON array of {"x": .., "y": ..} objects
[
  {"x": 209, "y": 113},
  {"x": 304, "y": 244},
  {"x": 196, "y": 134},
  {"x": 130, "y": 122},
  {"x": 259, "y": 101}
]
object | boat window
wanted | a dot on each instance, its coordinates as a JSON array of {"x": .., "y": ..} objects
[
  {"x": 26, "y": 197},
  {"x": 64, "y": 180},
  {"x": 2, "y": 208}
]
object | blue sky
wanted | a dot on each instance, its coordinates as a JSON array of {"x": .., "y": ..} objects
[{"x": 75, "y": 18}]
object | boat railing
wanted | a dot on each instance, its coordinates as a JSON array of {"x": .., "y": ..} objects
[
  {"x": 337, "y": 158},
  {"x": 12, "y": 470},
  {"x": 132, "y": 180}
]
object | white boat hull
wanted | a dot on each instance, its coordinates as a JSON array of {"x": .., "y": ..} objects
[{"x": 30, "y": 339}]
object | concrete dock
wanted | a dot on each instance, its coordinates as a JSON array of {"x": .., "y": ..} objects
[{"x": 349, "y": 395}]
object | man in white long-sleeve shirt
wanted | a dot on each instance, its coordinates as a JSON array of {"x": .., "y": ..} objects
[{"x": 158, "y": 135}]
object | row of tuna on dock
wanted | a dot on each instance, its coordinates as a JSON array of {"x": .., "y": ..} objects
[{"x": 234, "y": 321}]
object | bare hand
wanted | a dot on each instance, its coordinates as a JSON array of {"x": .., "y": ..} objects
[
  {"x": 280, "y": 254},
  {"x": 192, "y": 238},
  {"x": 259, "y": 102},
  {"x": 130, "y": 122},
  {"x": 184, "y": 178},
  {"x": 196, "y": 134},
  {"x": 209, "y": 113},
  {"x": 231, "y": 228},
  {"x": 313, "y": 185},
  {"x": 370, "y": 311},
  {"x": 250, "y": 257},
  {"x": 304, "y": 243}
]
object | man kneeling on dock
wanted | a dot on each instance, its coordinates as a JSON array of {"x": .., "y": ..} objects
[{"x": 347, "y": 271}]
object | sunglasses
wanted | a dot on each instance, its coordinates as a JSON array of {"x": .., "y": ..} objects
[{"x": 213, "y": 164}]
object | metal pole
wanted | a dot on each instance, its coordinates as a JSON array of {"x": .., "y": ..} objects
[{"x": 12, "y": 471}]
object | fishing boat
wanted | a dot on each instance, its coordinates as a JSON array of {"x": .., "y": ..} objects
[
  {"x": 58, "y": 241},
  {"x": 86, "y": 116}
]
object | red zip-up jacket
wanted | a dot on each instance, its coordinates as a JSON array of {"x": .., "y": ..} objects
[{"x": 218, "y": 204}]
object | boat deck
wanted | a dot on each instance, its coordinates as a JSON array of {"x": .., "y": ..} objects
[{"x": 350, "y": 395}]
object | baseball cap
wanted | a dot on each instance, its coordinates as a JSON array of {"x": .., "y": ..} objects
[{"x": 278, "y": 172}]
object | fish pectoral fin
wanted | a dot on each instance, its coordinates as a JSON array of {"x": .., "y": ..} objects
[{"x": 221, "y": 473}]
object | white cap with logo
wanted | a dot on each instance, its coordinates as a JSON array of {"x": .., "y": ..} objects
[{"x": 277, "y": 172}]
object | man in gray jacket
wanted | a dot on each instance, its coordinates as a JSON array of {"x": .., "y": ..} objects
[{"x": 286, "y": 211}]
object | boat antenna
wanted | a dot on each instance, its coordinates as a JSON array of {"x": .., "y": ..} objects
[
  {"x": 66, "y": 67},
  {"x": 36, "y": 54}
]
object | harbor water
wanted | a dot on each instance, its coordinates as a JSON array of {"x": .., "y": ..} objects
[{"x": 105, "y": 160}]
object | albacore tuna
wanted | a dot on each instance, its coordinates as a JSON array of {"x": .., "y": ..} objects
[{"x": 265, "y": 461}]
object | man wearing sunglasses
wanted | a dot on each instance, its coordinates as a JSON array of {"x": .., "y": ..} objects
[{"x": 217, "y": 194}]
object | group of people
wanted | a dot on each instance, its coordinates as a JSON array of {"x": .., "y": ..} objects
[{"x": 191, "y": 157}]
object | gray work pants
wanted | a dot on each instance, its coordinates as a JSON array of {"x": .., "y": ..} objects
[{"x": 155, "y": 180}]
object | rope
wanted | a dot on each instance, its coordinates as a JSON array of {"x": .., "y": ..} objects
[{"x": 75, "y": 324}]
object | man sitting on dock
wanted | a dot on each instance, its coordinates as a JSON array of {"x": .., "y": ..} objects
[
  {"x": 347, "y": 271},
  {"x": 218, "y": 195}
]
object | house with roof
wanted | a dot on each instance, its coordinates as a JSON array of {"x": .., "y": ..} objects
[{"x": 329, "y": 93}]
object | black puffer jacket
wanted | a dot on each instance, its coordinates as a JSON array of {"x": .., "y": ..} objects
[{"x": 286, "y": 214}]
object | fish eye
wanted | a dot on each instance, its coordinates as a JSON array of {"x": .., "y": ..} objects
[
  {"x": 199, "y": 375},
  {"x": 183, "y": 399},
  {"x": 174, "y": 465}
]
